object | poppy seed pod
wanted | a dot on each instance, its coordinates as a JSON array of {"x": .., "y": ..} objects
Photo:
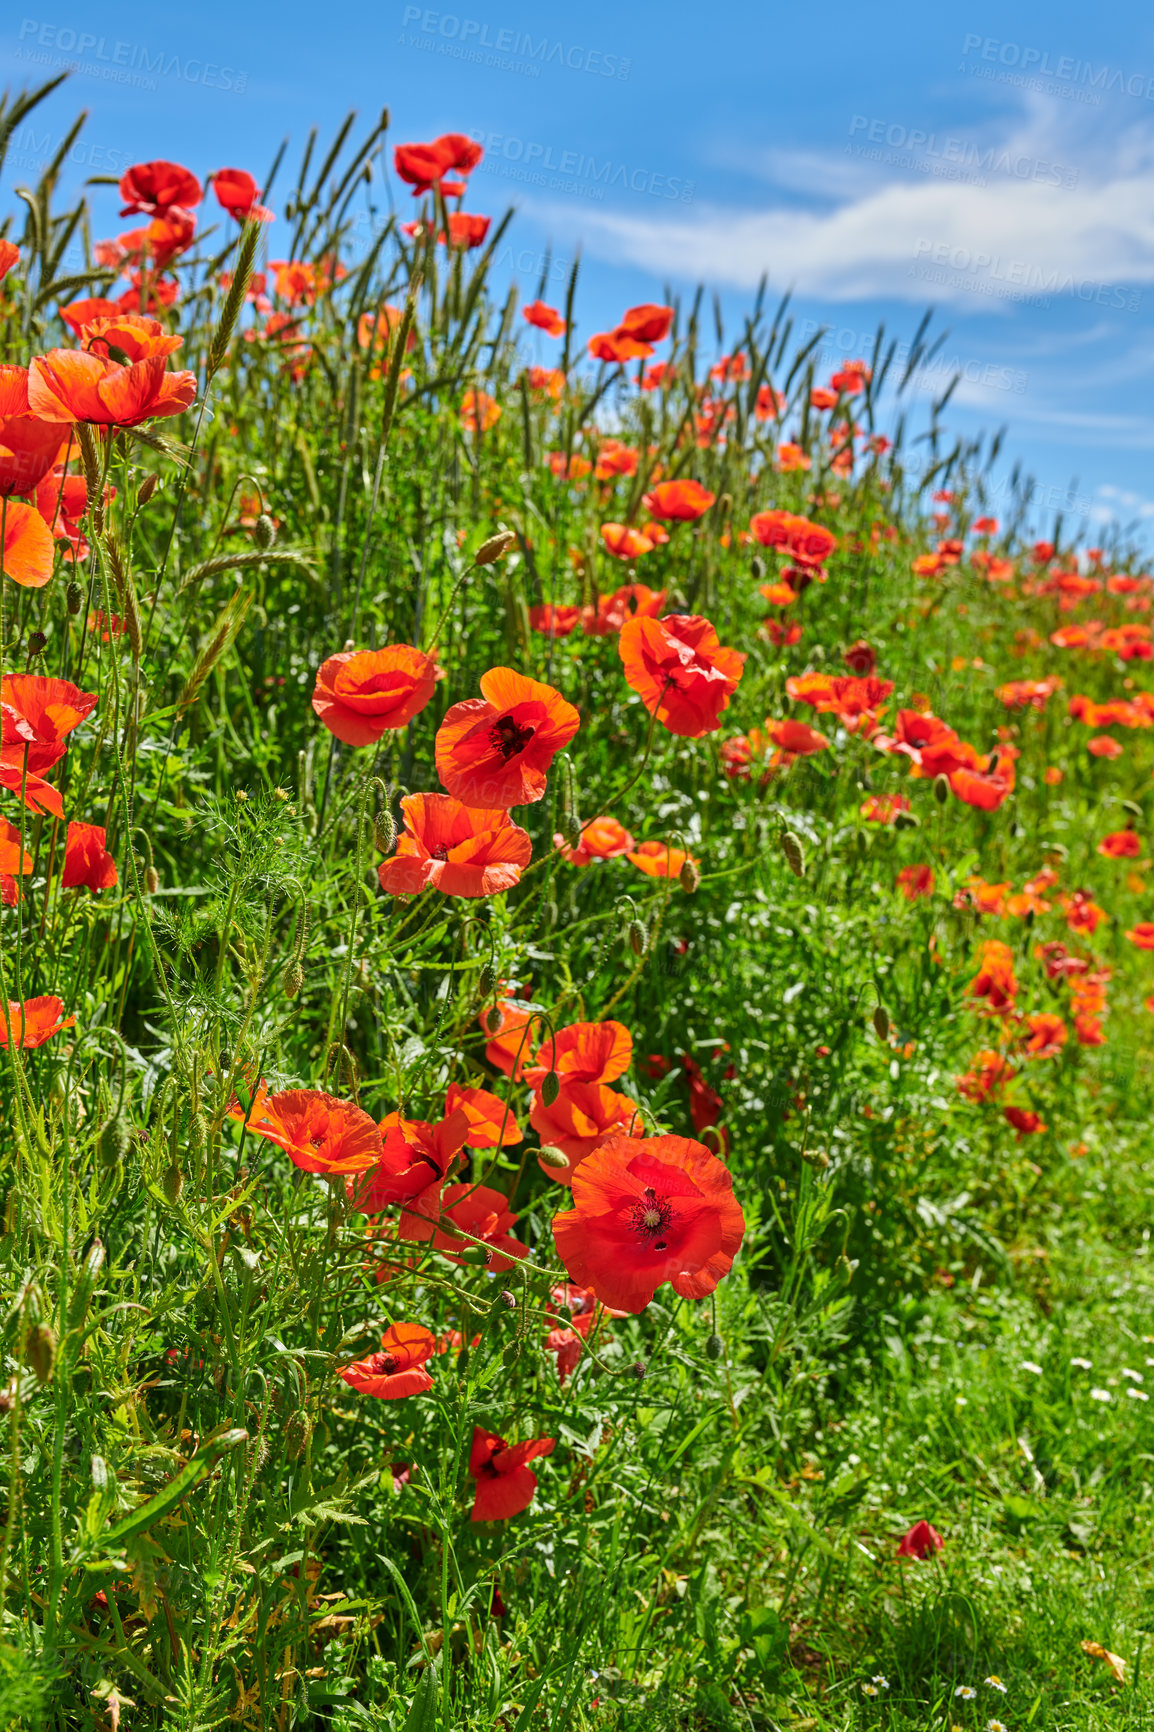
[
  {"x": 40, "y": 1351},
  {"x": 479, "y": 1256},
  {"x": 494, "y": 547},
  {"x": 264, "y": 530},
  {"x": 690, "y": 877},
  {"x": 550, "y": 1088},
  {"x": 551, "y": 1156},
  {"x": 881, "y": 1022},
  {"x": 941, "y": 789},
  {"x": 794, "y": 853},
  {"x": 74, "y": 597},
  {"x": 36, "y": 642},
  {"x": 714, "y": 1347}
]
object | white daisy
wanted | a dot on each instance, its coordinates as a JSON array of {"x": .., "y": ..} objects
[
  {"x": 966, "y": 1692},
  {"x": 1134, "y": 1376},
  {"x": 995, "y": 1683},
  {"x": 1137, "y": 1395},
  {"x": 1100, "y": 1395},
  {"x": 1028, "y": 1365},
  {"x": 1083, "y": 1364}
]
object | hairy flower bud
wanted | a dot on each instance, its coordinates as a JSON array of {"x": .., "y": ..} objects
[
  {"x": 794, "y": 853},
  {"x": 881, "y": 1021},
  {"x": 151, "y": 880},
  {"x": 906, "y": 821},
  {"x": 486, "y": 979},
  {"x": 264, "y": 530},
  {"x": 298, "y": 1429},
  {"x": 550, "y": 1088},
  {"x": 74, "y": 597},
  {"x": 493, "y": 1019},
  {"x": 292, "y": 979},
  {"x": 147, "y": 488},
  {"x": 551, "y": 1156},
  {"x": 690, "y": 877},
  {"x": 36, "y": 642},
  {"x": 507, "y": 1299},
  {"x": 941, "y": 789},
  {"x": 714, "y": 1347},
  {"x": 40, "y": 1351},
  {"x": 637, "y": 936},
  {"x": 172, "y": 1183},
  {"x": 494, "y": 547},
  {"x": 113, "y": 1140},
  {"x": 385, "y": 830}
]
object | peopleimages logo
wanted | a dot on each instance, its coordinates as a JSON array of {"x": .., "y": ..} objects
[
  {"x": 1014, "y": 279},
  {"x": 1036, "y": 63},
  {"x": 119, "y": 62},
  {"x": 474, "y": 42},
  {"x": 544, "y": 165},
  {"x": 948, "y": 153}
]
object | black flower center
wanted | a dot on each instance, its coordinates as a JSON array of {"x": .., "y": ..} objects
[
  {"x": 509, "y": 737},
  {"x": 440, "y": 852},
  {"x": 650, "y": 1219},
  {"x": 384, "y": 1365}
]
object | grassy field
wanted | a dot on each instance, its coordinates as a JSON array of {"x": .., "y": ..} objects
[{"x": 574, "y": 919}]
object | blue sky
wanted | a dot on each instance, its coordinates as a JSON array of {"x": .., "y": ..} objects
[{"x": 996, "y": 163}]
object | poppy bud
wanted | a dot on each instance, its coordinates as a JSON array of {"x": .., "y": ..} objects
[
  {"x": 551, "y": 1156},
  {"x": 74, "y": 596},
  {"x": 637, "y": 936},
  {"x": 494, "y": 547},
  {"x": 292, "y": 979},
  {"x": 477, "y": 1256},
  {"x": 941, "y": 789},
  {"x": 493, "y": 1019},
  {"x": 690, "y": 876},
  {"x": 864, "y": 842},
  {"x": 637, "y": 1369},
  {"x": 298, "y": 1429},
  {"x": 845, "y": 1268},
  {"x": 36, "y": 642},
  {"x": 264, "y": 530},
  {"x": 757, "y": 568},
  {"x": 906, "y": 821},
  {"x": 172, "y": 1183},
  {"x": 815, "y": 1158},
  {"x": 113, "y": 1140},
  {"x": 714, "y": 1347},
  {"x": 794, "y": 853},
  {"x": 385, "y": 830},
  {"x": 572, "y": 828},
  {"x": 507, "y": 1299},
  {"x": 881, "y": 1022},
  {"x": 550, "y": 1088},
  {"x": 40, "y": 1351},
  {"x": 487, "y": 979},
  {"x": 147, "y": 488}
]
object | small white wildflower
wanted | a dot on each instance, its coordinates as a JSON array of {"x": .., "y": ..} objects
[
  {"x": 1028, "y": 1365},
  {"x": 1137, "y": 1395},
  {"x": 869, "y": 1689},
  {"x": 995, "y": 1726},
  {"x": 966, "y": 1692},
  {"x": 1134, "y": 1376},
  {"x": 1087, "y": 1365},
  {"x": 882, "y": 1683},
  {"x": 853, "y": 1460},
  {"x": 1100, "y": 1395},
  {"x": 959, "y": 1401},
  {"x": 995, "y": 1683}
]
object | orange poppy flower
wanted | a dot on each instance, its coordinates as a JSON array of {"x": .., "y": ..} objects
[
  {"x": 495, "y": 750},
  {"x": 659, "y": 859},
  {"x": 1142, "y": 935},
  {"x": 807, "y": 543},
  {"x": 631, "y": 601},
  {"x": 995, "y": 980},
  {"x": 28, "y": 550},
  {"x": 33, "y": 1022},
  {"x": 915, "y": 881},
  {"x": 414, "y": 1159},
  {"x": 586, "y": 1052},
  {"x": 554, "y": 621},
  {"x": 796, "y": 738},
  {"x": 78, "y": 315},
  {"x": 360, "y": 694},
  {"x": 625, "y": 542},
  {"x": 510, "y": 1045},
  {"x": 14, "y": 863},
  {"x": 237, "y": 193},
  {"x": 990, "y": 1074},
  {"x": 647, "y": 323},
  {"x": 491, "y": 1124},
  {"x": 479, "y": 410},
  {"x": 614, "y": 458},
  {"x": 678, "y": 501},
  {"x": 69, "y": 385},
  {"x": 9, "y": 253},
  {"x": 550, "y": 380},
  {"x": 545, "y": 318},
  {"x": 646, "y": 1211},
  {"x": 791, "y": 457},
  {"x": 49, "y": 709},
  {"x": 136, "y": 337},
  {"x": 1104, "y": 746},
  {"x": 398, "y": 1369},
  {"x": 601, "y": 839},
  {"x": 87, "y": 863},
  {"x": 456, "y": 849},
  {"x": 683, "y": 673},
  {"x": 317, "y": 1132},
  {"x": 157, "y": 186},
  {"x": 477, "y": 1210},
  {"x": 29, "y": 447},
  {"x": 1121, "y": 845},
  {"x": 583, "y": 1115},
  {"x": 617, "y": 346},
  {"x": 986, "y": 792},
  {"x": 1048, "y": 1035},
  {"x": 505, "y": 1482},
  {"x": 576, "y": 468}
]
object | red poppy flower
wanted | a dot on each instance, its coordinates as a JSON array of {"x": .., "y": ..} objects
[
  {"x": 467, "y": 229},
  {"x": 27, "y": 552},
  {"x": 625, "y": 542},
  {"x": 87, "y": 863},
  {"x": 136, "y": 337},
  {"x": 545, "y": 318},
  {"x": 1048, "y": 1035},
  {"x": 883, "y": 808},
  {"x": 9, "y": 253},
  {"x": 48, "y": 710},
  {"x": 479, "y": 410},
  {"x": 915, "y": 881},
  {"x": 69, "y": 385},
  {"x": 15, "y": 862},
  {"x": 1104, "y": 746},
  {"x": 995, "y": 980},
  {"x": 237, "y": 193},
  {"x": 505, "y": 1482},
  {"x": 659, "y": 859},
  {"x": 398, "y": 1369},
  {"x": 78, "y": 315},
  {"x": 646, "y": 1211},
  {"x": 678, "y": 501},
  {"x": 29, "y": 447},
  {"x": 617, "y": 346},
  {"x": 360, "y": 694},
  {"x": 33, "y": 1022},
  {"x": 683, "y": 673},
  {"x": 974, "y": 788},
  {"x": 580, "y": 1120},
  {"x": 1027, "y": 1124},
  {"x": 921, "y": 1542},
  {"x": 491, "y": 1124},
  {"x": 317, "y": 1132},
  {"x": 457, "y": 849},
  {"x": 157, "y": 186},
  {"x": 990, "y": 1073},
  {"x": 494, "y": 750},
  {"x": 587, "y": 1052},
  {"x": 414, "y": 1158},
  {"x": 647, "y": 323},
  {"x": 613, "y": 459},
  {"x": 476, "y": 1210},
  {"x": 554, "y": 621},
  {"x": 796, "y": 738},
  {"x": 631, "y": 601},
  {"x": 601, "y": 839},
  {"x": 1142, "y": 934},
  {"x": 808, "y": 543},
  {"x": 1082, "y": 913}
]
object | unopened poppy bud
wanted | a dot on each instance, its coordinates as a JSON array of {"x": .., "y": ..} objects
[
  {"x": 550, "y": 1155},
  {"x": 493, "y": 1019},
  {"x": 794, "y": 853},
  {"x": 172, "y": 1183},
  {"x": 690, "y": 876},
  {"x": 113, "y": 1140},
  {"x": 941, "y": 789},
  {"x": 40, "y": 1351},
  {"x": 864, "y": 842},
  {"x": 507, "y": 1299},
  {"x": 74, "y": 596},
  {"x": 714, "y": 1347},
  {"x": 882, "y": 1022},
  {"x": 845, "y": 1269},
  {"x": 757, "y": 568},
  {"x": 385, "y": 830},
  {"x": 36, "y": 642},
  {"x": 637, "y": 1369},
  {"x": 264, "y": 530},
  {"x": 494, "y": 547},
  {"x": 572, "y": 828},
  {"x": 815, "y": 1158},
  {"x": 637, "y": 936},
  {"x": 477, "y": 1256},
  {"x": 298, "y": 1429},
  {"x": 292, "y": 979},
  {"x": 487, "y": 979},
  {"x": 906, "y": 821},
  {"x": 147, "y": 488},
  {"x": 550, "y": 1088},
  {"x": 151, "y": 880}
]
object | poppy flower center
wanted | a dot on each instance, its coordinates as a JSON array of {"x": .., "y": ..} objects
[
  {"x": 509, "y": 737},
  {"x": 651, "y": 1217},
  {"x": 440, "y": 852},
  {"x": 384, "y": 1365}
]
